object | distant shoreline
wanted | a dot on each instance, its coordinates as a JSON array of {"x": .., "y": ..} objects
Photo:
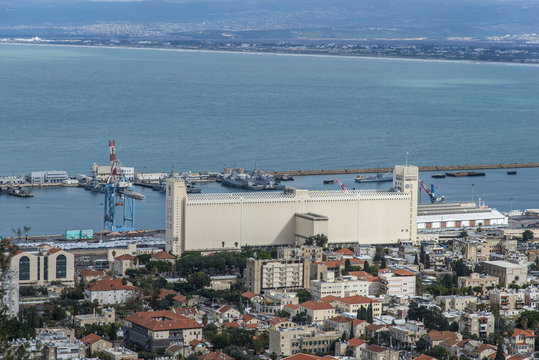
[{"x": 273, "y": 52}]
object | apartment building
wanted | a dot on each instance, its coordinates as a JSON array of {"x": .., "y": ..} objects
[
  {"x": 521, "y": 342},
  {"x": 264, "y": 275},
  {"x": 157, "y": 330},
  {"x": 346, "y": 286},
  {"x": 310, "y": 253},
  {"x": 398, "y": 282},
  {"x": 318, "y": 312},
  {"x": 352, "y": 304},
  {"x": 375, "y": 352},
  {"x": 477, "y": 280},
  {"x": 480, "y": 324},
  {"x": 509, "y": 301},
  {"x": 407, "y": 334},
  {"x": 110, "y": 292},
  {"x": 294, "y": 340},
  {"x": 456, "y": 302},
  {"x": 507, "y": 272}
]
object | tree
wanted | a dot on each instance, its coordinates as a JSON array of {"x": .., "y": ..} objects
[
  {"x": 422, "y": 345},
  {"x": 303, "y": 295},
  {"x": 422, "y": 254},
  {"x": 499, "y": 352},
  {"x": 321, "y": 240},
  {"x": 427, "y": 261},
  {"x": 17, "y": 231},
  {"x": 301, "y": 318},
  {"x": 370, "y": 313},
  {"x": 383, "y": 265},
  {"x": 416, "y": 261},
  {"x": 27, "y": 231},
  {"x": 463, "y": 234},
  {"x": 527, "y": 235},
  {"x": 362, "y": 313},
  {"x": 366, "y": 267},
  {"x": 199, "y": 280},
  {"x": 309, "y": 241},
  {"x": 439, "y": 352}
]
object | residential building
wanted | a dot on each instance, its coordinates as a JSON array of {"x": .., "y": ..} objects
[
  {"x": 226, "y": 313},
  {"x": 318, "y": 312},
  {"x": 272, "y": 301},
  {"x": 157, "y": 330},
  {"x": 346, "y": 286},
  {"x": 309, "y": 252},
  {"x": 43, "y": 265},
  {"x": 375, "y": 352},
  {"x": 294, "y": 340},
  {"x": 122, "y": 263},
  {"x": 477, "y": 280},
  {"x": 95, "y": 343},
  {"x": 9, "y": 283},
  {"x": 59, "y": 345},
  {"x": 263, "y": 275},
  {"x": 163, "y": 256},
  {"x": 110, "y": 292},
  {"x": 510, "y": 301},
  {"x": 406, "y": 335},
  {"x": 352, "y": 304},
  {"x": 215, "y": 355},
  {"x": 107, "y": 316},
  {"x": 89, "y": 275},
  {"x": 507, "y": 272},
  {"x": 120, "y": 353},
  {"x": 455, "y": 302},
  {"x": 521, "y": 341},
  {"x": 435, "y": 337},
  {"x": 480, "y": 324},
  {"x": 339, "y": 323},
  {"x": 398, "y": 282}
]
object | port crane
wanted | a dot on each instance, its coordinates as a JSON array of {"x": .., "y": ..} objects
[
  {"x": 119, "y": 197},
  {"x": 340, "y": 184},
  {"x": 431, "y": 194}
]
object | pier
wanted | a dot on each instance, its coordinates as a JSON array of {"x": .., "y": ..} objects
[{"x": 421, "y": 168}]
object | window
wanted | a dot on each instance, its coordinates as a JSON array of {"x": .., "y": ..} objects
[
  {"x": 46, "y": 268},
  {"x": 24, "y": 268},
  {"x": 39, "y": 268},
  {"x": 61, "y": 266}
]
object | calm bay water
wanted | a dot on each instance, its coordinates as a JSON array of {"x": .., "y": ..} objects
[{"x": 206, "y": 110}]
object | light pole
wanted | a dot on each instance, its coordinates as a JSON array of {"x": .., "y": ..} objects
[
  {"x": 511, "y": 214},
  {"x": 472, "y": 191}
]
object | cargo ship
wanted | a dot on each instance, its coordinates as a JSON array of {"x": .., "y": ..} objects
[{"x": 378, "y": 177}]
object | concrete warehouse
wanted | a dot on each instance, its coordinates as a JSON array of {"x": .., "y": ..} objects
[{"x": 232, "y": 220}]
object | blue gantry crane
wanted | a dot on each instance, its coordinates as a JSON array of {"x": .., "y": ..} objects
[{"x": 119, "y": 197}]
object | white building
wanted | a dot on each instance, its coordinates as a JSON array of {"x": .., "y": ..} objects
[
  {"x": 10, "y": 285},
  {"x": 347, "y": 286},
  {"x": 110, "y": 292},
  {"x": 261, "y": 218},
  {"x": 398, "y": 282},
  {"x": 461, "y": 215}
]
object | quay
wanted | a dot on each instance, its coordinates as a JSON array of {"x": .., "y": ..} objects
[{"x": 421, "y": 168}]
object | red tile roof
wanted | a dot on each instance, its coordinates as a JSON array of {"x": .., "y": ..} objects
[
  {"x": 329, "y": 298},
  {"x": 291, "y": 306},
  {"x": 312, "y": 305},
  {"x": 162, "y": 255},
  {"x": 179, "y": 298},
  {"x": 402, "y": 272},
  {"x": 277, "y": 320},
  {"x": 162, "y": 320},
  {"x": 361, "y": 274},
  {"x": 526, "y": 333},
  {"x": 233, "y": 324},
  {"x": 164, "y": 293},
  {"x": 376, "y": 348},
  {"x": 185, "y": 311},
  {"x": 340, "y": 319},
  {"x": 424, "y": 357},
  {"x": 216, "y": 355},
  {"x": 345, "y": 251},
  {"x": 91, "y": 272},
  {"x": 54, "y": 250},
  {"x": 356, "y": 322},
  {"x": 355, "y": 342},
  {"x": 247, "y": 317},
  {"x": 442, "y": 335},
  {"x": 90, "y": 338},
  {"x": 125, "y": 257},
  {"x": 223, "y": 309},
  {"x": 357, "y": 299},
  {"x": 110, "y": 285},
  {"x": 248, "y": 294}
]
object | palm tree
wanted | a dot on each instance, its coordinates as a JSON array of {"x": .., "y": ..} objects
[
  {"x": 236, "y": 244},
  {"x": 223, "y": 243},
  {"x": 27, "y": 231},
  {"x": 17, "y": 232}
]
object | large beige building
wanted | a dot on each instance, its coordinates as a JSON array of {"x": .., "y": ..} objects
[
  {"x": 263, "y": 275},
  {"x": 507, "y": 272},
  {"x": 44, "y": 265},
  {"x": 232, "y": 220},
  {"x": 289, "y": 341}
]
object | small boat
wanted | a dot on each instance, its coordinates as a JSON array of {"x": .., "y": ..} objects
[
  {"x": 284, "y": 177},
  {"x": 329, "y": 181},
  {"x": 512, "y": 172},
  {"x": 20, "y": 192},
  {"x": 438, "y": 176},
  {"x": 378, "y": 177}
]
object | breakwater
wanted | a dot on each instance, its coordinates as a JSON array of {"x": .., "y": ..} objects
[{"x": 421, "y": 168}]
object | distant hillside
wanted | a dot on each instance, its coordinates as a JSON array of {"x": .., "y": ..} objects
[{"x": 385, "y": 18}]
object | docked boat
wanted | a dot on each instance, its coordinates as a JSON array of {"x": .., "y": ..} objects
[
  {"x": 20, "y": 192},
  {"x": 252, "y": 181},
  {"x": 376, "y": 178},
  {"x": 329, "y": 181},
  {"x": 512, "y": 172},
  {"x": 284, "y": 177},
  {"x": 438, "y": 176},
  {"x": 465, "y": 173}
]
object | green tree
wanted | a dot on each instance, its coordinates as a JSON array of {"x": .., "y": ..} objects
[
  {"x": 383, "y": 264},
  {"x": 366, "y": 267},
  {"x": 499, "y": 352},
  {"x": 439, "y": 352},
  {"x": 427, "y": 261},
  {"x": 321, "y": 240},
  {"x": 422, "y": 345},
  {"x": 369, "y": 313},
  {"x": 263, "y": 255},
  {"x": 527, "y": 235},
  {"x": 309, "y": 241},
  {"x": 416, "y": 260},
  {"x": 303, "y": 295},
  {"x": 199, "y": 280},
  {"x": 463, "y": 234}
]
